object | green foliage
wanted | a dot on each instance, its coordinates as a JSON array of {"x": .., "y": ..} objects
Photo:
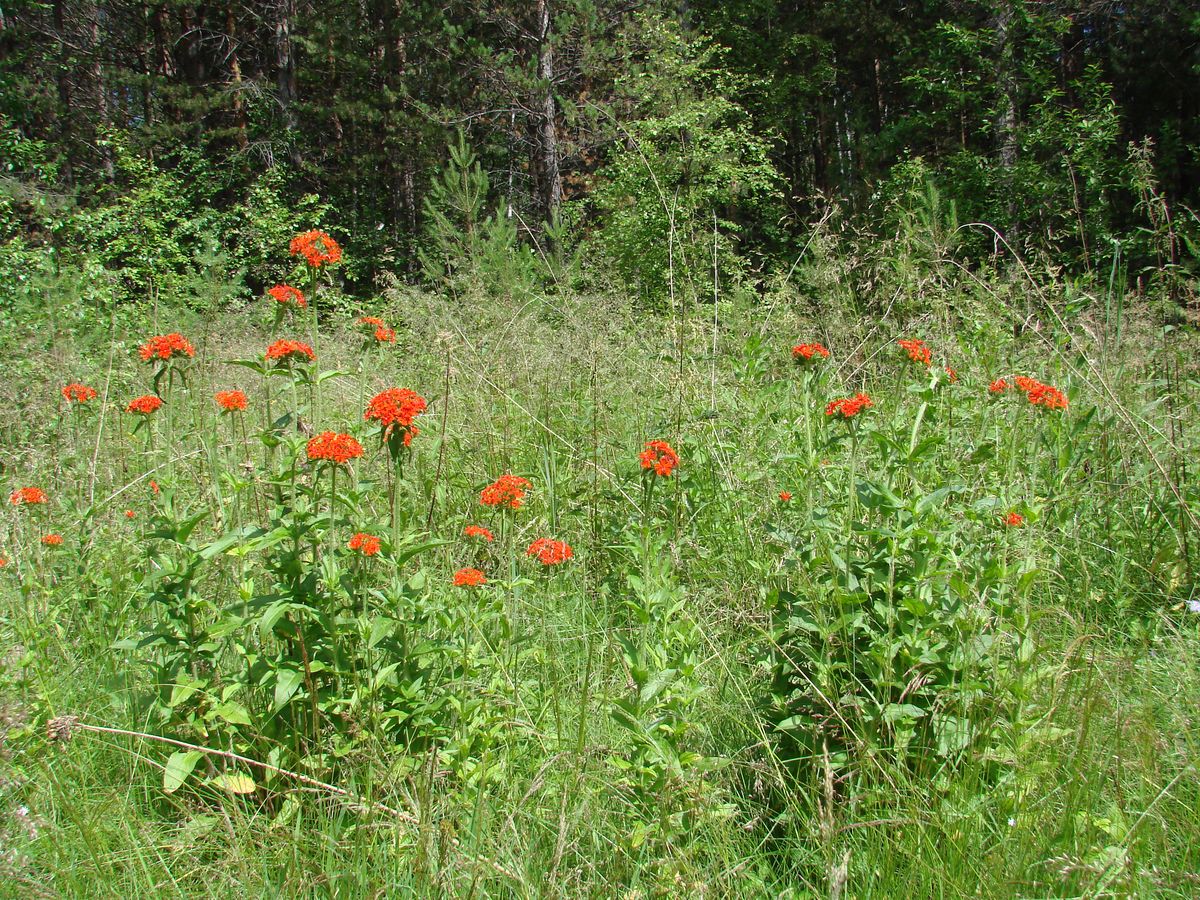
[
  {"x": 464, "y": 245},
  {"x": 690, "y": 178}
]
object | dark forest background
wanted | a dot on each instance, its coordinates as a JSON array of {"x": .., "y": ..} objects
[{"x": 153, "y": 145}]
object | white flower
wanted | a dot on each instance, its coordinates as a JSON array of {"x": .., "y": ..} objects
[{"x": 1194, "y": 605}]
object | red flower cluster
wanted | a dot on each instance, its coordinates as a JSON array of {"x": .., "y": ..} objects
[
  {"x": 167, "y": 346},
  {"x": 333, "y": 447},
  {"x": 230, "y": 401},
  {"x": 1044, "y": 395},
  {"x": 550, "y": 552},
  {"x": 480, "y": 532},
  {"x": 366, "y": 544},
  {"x": 145, "y": 405},
  {"x": 28, "y": 496},
  {"x": 785, "y": 496},
  {"x": 507, "y": 490},
  {"x": 951, "y": 375},
  {"x": 806, "y": 353},
  {"x": 396, "y": 408},
  {"x": 383, "y": 334},
  {"x": 285, "y": 294},
  {"x": 129, "y": 514},
  {"x": 469, "y": 578},
  {"x": 52, "y": 540},
  {"x": 79, "y": 393},
  {"x": 1014, "y": 520},
  {"x": 660, "y": 457},
  {"x": 849, "y": 407},
  {"x": 918, "y": 351},
  {"x": 283, "y": 350},
  {"x": 999, "y": 386},
  {"x": 316, "y": 247}
]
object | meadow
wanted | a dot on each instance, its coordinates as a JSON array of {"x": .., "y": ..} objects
[{"x": 552, "y": 596}]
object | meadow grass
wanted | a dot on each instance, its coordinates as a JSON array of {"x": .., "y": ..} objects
[{"x": 982, "y": 710}]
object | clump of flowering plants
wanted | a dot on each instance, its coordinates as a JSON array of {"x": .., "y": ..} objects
[
  {"x": 917, "y": 350},
  {"x": 395, "y": 411},
  {"x": 286, "y": 351},
  {"x": 809, "y": 354},
  {"x": 286, "y": 296},
  {"x": 846, "y": 408},
  {"x": 78, "y": 394},
  {"x": 166, "y": 353},
  {"x": 506, "y": 492},
  {"x": 376, "y": 331},
  {"x": 317, "y": 248}
]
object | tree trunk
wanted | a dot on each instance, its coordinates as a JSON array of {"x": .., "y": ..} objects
[
  {"x": 1006, "y": 118},
  {"x": 66, "y": 112},
  {"x": 96, "y": 72},
  {"x": 235, "y": 76},
  {"x": 551, "y": 181},
  {"x": 285, "y": 66}
]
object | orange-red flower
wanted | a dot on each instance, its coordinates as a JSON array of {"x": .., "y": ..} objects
[
  {"x": 27, "y": 496},
  {"x": 659, "y": 456},
  {"x": 807, "y": 353},
  {"x": 396, "y": 408},
  {"x": 469, "y": 578},
  {"x": 849, "y": 407},
  {"x": 52, "y": 540},
  {"x": 1047, "y": 396},
  {"x": 507, "y": 490},
  {"x": 230, "y": 401},
  {"x": 550, "y": 552},
  {"x": 379, "y": 328},
  {"x": 129, "y": 514},
  {"x": 167, "y": 346},
  {"x": 785, "y": 496},
  {"x": 153, "y": 486},
  {"x": 286, "y": 295},
  {"x": 333, "y": 447},
  {"x": 1041, "y": 394},
  {"x": 78, "y": 393},
  {"x": 999, "y": 386},
  {"x": 1014, "y": 520},
  {"x": 145, "y": 405},
  {"x": 951, "y": 375},
  {"x": 366, "y": 544},
  {"x": 284, "y": 350},
  {"x": 917, "y": 350},
  {"x": 316, "y": 247},
  {"x": 3, "y": 562},
  {"x": 480, "y": 532}
]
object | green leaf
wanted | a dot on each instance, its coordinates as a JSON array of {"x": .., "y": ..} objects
[
  {"x": 182, "y": 691},
  {"x": 286, "y": 683},
  {"x": 656, "y": 684},
  {"x": 404, "y": 556},
  {"x": 233, "y": 713},
  {"x": 234, "y": 783},
  {"x": 179, "y": 766},
  {"x": 902, "y": 712},
  {"x": 259, "y": 366},
  {"x": 225, "y": 542}
]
